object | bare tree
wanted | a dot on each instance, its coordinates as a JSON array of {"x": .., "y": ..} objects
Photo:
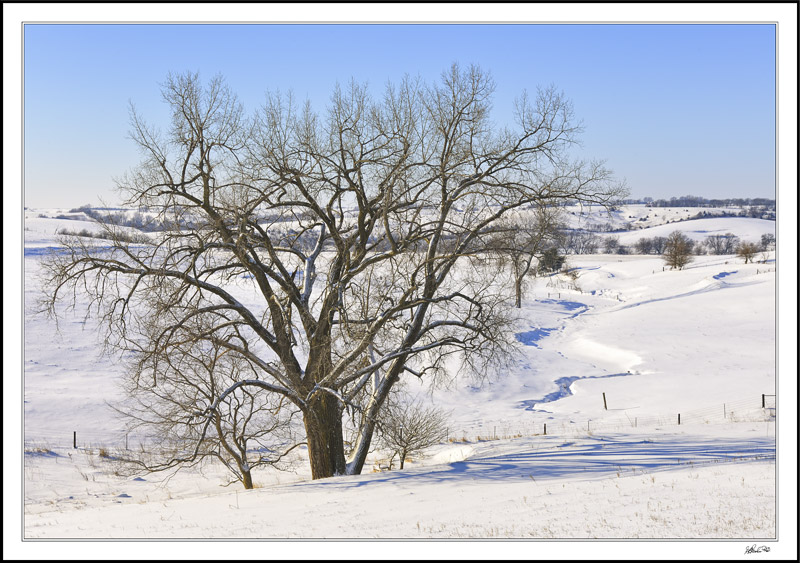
[
  {"x": 748, "y": 251},
  {"x": 579, "y": 241},
  {"x": 644, "y": 245},
  {"x": 186, "y": 399},
  {"x": 334, "y": 253},
  {"x": 611, "y": 244},
  {"x": 523, "y": 238},
  {"x": 678, "y": 250},
  {"x": 722, "y": 244},
  {"x": 658, "y": 244},
  {"x": 407, "y": 426},
  {"x": 767, "y": 242}
]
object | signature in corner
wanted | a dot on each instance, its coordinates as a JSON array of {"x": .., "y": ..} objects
[{"x": 754, "y": 549}]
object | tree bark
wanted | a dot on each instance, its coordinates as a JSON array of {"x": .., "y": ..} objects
[
  {"x": 323, "y": 423},
  {"x": 359, "y": 455},
  {"x": 247, "y": 479},
  {"x": 367, "y": 429}
]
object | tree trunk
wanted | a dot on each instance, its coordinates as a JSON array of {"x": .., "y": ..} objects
[
  {"x": 367, "y": 430},
  {"x": 359, "y": 454},
  {"x": 323, "y": 422},
  {"x": 365, "y": 433},
  {"x": 518, "y": 292},
  {"x": 247, "y": 479}
]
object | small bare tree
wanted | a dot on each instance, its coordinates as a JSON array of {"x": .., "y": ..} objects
[
  {"x": 747, "y": 251},
  {"x": 611, "y": 244},
  {"x": 187, "y": 399},
  {"x": 722, "y": 244},
  {"x": 644, "y": 245},
  {"x": 523, "y": 238},
  {"x": 579, "y": 241},
  {"x": 658, "y": 244},
  {"x": 407, "y": 427},
  {"x": 678, "y": 250}
]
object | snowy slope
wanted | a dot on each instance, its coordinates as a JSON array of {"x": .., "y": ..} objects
[
  {"x": 700, "y": 342},
  {"x": 747, "y": 229},
  {"x": 640, "y": 216}
]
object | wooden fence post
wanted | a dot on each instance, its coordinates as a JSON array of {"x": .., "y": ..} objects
[
  {"x": 545, "y": 429},
  {"x": 74, "y": 440},
  {"x": 763, "y": 400},
  {"x": 679, "y": 419},
  {"x": 605, "y": 405}
]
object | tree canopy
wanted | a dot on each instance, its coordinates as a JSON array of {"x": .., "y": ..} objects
[{"x": 328, "y": 254}]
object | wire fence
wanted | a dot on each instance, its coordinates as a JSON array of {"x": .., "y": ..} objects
[
  {"x": 761, "y": 408},
  {"x": 85, "y": 438}
]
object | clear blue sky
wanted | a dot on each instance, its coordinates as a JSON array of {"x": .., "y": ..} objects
[{"x": 672, "y": 109}]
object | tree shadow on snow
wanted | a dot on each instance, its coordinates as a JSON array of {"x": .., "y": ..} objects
[{"x": 597, "y": 458}]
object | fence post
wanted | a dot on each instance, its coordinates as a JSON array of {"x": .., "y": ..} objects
[
  {"x": 679, "y": 419},
  {"x": 74, "y": 440},
  {"x": 545, "y": 429},
  {"x": 763, "y": 400},
  {"x": 605, "y": 405}
]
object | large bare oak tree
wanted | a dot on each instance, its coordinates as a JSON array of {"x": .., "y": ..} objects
[{"x": 331, "y": 253}]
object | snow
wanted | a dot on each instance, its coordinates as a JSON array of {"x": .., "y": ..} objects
[
  {"x": 645, "y": 486},
  {"x": 700, "y": 342},
  {"x": 648, "y": 222},
  {"x": 747, "y": 229}
]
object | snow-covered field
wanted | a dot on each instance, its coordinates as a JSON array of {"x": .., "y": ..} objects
[{"x": 608, "y": 363}]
